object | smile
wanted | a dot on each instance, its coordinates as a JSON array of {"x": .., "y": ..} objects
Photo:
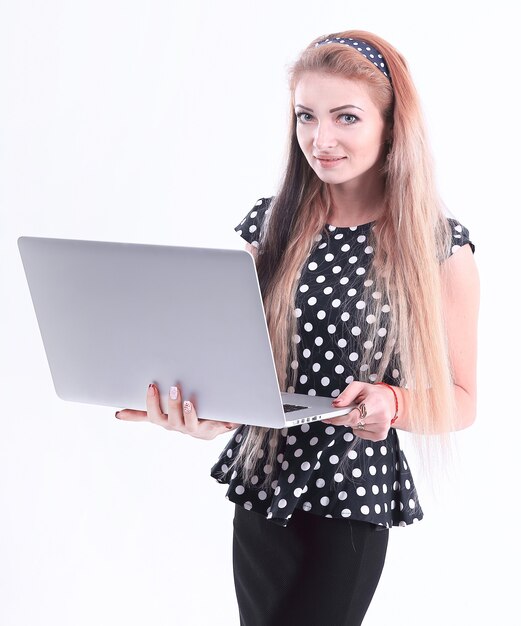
[{"x": 329, "y": 162}]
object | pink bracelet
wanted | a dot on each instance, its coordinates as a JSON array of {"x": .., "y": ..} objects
[{"x": 395, "y": 401}]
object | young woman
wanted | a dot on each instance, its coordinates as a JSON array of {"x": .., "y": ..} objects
[{"x": 371, "y": 296}]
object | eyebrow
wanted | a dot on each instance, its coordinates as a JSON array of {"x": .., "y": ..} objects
[{"x": 344, "y": 106}]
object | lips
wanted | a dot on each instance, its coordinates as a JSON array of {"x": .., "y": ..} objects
[{"x": 324, "y": 158}]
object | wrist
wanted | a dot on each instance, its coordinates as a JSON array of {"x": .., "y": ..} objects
[{"x": 396, "y": 402}]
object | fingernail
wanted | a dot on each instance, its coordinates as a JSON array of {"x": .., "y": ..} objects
[
  {"x": 187, "y": 406},
  {"x": 116, "y": 415},
  {"x": 151, "y": 389},
  {"x": 173, "y": 393}
]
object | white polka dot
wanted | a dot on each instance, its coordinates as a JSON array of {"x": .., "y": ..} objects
[
  {"x": 306, "y": 506},
  {"x": 313, "y": 441},
  {"x": 364, "y": 510},
  {"x": 360, "y": 491},
  {"x": 262, "y": 495},
  {"x": 345, "y": 513},
  {"x": 297, "y": 492},
  {"x": 291, "y": 478},
  {"x": 308, "y": 326},
  {"x": 297, "y": 312},
  {"x": 282, "y": 503},
  {"x": 306, "y": 353},
  {"x": 353, "y": 356},
  {"x": 247, "y": 505},
  {"x": 339, "y": 369},
  {"x": 324, "y": 501},
  {"x": 356, "y": 330},
  {"x": 305, "y": 427},
  {"x": 303, "y": 378},
  {"x": 342, "y": 495},
  {"x": 357, "y": 472},
  {"x": 369, "y": 451},
  {"x": 320, "y": 482},
  {"x": 305, "y": 466},
  {"x": 325, "y": 381},
  {"x": 372, "y": 470},
  {"x": 333, "y": 459},
  {"x": 319, "y": 341},
  {"x": 336, "y": 302},
  {"x": 312, "y": 300},
  {"x": 291, "y": 440},
  {"x": 312, "y": 266},
  {"x": 321, "y": 279},
  {"x": 352, "y": 454},
  {"x": 298, "y": 452},
  {"x": 321, "y": 315},
  {"x": 338, "y": 477},
  {"x": 331, "y": 329},
  {"x": 285, "y": 465},
  {"x": 316, "y": 367},
  {"x": 303, "y": 288}
]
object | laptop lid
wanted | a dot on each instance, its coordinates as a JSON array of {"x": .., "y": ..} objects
[{"x": 116, "y": 316}]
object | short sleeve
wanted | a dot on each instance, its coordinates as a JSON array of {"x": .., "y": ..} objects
[
  {"x": 250, "y": 226},
  {"x": 460, "y": 236}
]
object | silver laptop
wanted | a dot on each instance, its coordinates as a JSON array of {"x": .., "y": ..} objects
[{"x": 114, "y": 317}]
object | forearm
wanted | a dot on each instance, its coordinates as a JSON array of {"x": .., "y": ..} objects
[{"x": 465, "y": 409}]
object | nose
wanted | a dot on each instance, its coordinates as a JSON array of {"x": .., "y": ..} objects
[{"x": 324, "y": 136}]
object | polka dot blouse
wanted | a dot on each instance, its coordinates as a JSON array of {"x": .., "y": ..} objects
[{"x": 377, "y": 486}]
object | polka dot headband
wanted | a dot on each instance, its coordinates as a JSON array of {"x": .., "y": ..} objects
[{"x": 369, "y": 52}]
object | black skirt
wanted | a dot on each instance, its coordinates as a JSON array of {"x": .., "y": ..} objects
[{"x": 313, "y": 572}]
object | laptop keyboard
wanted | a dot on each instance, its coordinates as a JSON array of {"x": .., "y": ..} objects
[{"x": 292, "y": 407}]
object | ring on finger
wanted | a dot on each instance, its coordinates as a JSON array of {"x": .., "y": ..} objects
[{"x": 363, "y": 414}]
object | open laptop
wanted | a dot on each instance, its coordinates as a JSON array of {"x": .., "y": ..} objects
[{"x": 116, "y": 316}]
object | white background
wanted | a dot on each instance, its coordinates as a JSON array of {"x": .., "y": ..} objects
[{"x": 163, "y": 122}]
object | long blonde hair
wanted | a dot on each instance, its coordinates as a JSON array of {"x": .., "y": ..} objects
[{"x": 405, "y": 277}]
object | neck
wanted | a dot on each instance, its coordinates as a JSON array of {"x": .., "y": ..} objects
[{"x": 357, "y": 203}]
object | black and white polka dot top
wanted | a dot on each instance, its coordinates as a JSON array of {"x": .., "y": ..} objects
[{"x": 378, "y": 486}]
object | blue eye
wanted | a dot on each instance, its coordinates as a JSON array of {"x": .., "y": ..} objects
[
  {"x": 299, "y": 118},
  {"x": 352, "y": 119}
]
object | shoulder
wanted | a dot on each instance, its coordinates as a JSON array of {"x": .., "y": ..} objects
[
  {"x": 250, "y": 227},
  {"x": 460, "y": 236}
]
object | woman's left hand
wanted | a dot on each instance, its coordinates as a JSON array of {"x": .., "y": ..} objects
[{"x": 376, "y": 401}]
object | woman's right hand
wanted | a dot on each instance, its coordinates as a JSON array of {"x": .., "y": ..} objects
[{"x": 181, "y": 416}]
